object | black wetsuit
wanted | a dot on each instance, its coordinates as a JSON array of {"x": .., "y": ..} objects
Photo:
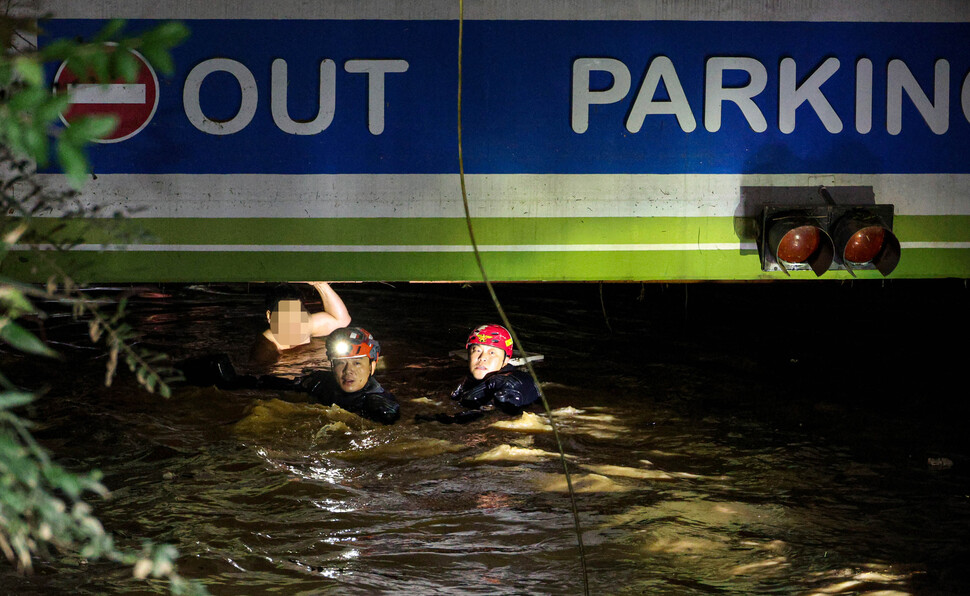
[
  {"x": 372, "y": 402},
  {"x": 509, "y": 389}
]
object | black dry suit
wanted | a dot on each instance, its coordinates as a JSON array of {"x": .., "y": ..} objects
[
  {"x": 509, "y": 389},
  {"x": 372, "y": 402}
]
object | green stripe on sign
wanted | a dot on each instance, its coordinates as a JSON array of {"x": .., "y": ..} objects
[
  {"x": 436, "y": 249},
  {"x": 679, "y": 265},
  {"x": 453, "y": 231},
  {"x": 932, "y": 228}
]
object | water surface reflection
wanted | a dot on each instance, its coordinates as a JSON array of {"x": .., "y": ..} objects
[{"x": 702, "y": 461}]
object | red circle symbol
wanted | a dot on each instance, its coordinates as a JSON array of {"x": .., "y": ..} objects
[{"x": 132, "y": 102}]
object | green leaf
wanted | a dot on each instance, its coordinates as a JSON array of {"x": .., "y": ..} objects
[
  {"x": 59, "y": 49},
  {"x": 167, "y": 35},
  {"x": 23, "y": 340},
  {"x": 159, "y": 59},
  {"x": 64, "y": 481},
  {"x": 14, "y": 301},
  {"x": 13, "y": 399},
  {"x": 90, "y": 127},
  {"x": 80, "y": 64},
  {"x": 36, "y": 143},
  {"x": 100, "y": 65},
  {"x": 94, "y": 331},
  {"x": 6, "y": 72},
  {"x": 109, "y": 31},
  {"x": 13, "y": 132},
  {"x": 11, "y": 237},
  {"x": 73, "y": 162},
  {"x": 125, "y": 64},
  {"x": 52, "y": 107},
  {"x": 150, "y": 382},
  {"x": 30, "y": 70},
  {"x": 27, "y": 99}
]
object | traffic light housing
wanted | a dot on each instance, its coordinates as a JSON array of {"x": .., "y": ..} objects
[{"x": 824, "y": 237}]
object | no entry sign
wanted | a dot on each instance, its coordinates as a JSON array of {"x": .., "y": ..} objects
[{"x": 132, "y": 102}]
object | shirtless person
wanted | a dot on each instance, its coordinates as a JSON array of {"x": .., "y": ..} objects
[
  {"x": 290, "y": 324},
  {"x": 290, "y": 327}
]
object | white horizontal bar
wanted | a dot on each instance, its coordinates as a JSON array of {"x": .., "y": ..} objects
[
  {"x": 934, "y": 244},
  {"x": 333, "y": 196},
  {"x": 111, "y": 94}
]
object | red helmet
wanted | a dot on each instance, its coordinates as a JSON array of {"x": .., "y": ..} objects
[
  {"x": 491, "y": 335},
  {"x": 351, "y": 342}
]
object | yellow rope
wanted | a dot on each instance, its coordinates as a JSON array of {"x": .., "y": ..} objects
[{"x": 501, "y": 311}]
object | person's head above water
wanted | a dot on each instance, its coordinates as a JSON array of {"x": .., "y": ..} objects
[
  {"x": 489, "y": 348},
  {"x": 353, "y": 354},
  {"x": 288, "y": 318}
]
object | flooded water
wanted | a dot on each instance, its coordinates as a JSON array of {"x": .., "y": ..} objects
[{"x": 753, "y": 439}]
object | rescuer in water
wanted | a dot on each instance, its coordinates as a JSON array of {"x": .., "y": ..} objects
[
  {"x": 350, "y": 383},
  {"x": 492, "y": 382},
  {"x": 291, "y": 325}
]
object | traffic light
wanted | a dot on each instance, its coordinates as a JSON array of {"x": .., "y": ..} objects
[
  {"x": 824, "y": 237},
  {"x": 865, "y": 240}
]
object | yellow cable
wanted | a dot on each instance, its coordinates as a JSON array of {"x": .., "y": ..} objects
[{"x": 501, "y": 311}]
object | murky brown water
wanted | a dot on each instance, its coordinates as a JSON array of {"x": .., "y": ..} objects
[{"x": 719, "y": 443}]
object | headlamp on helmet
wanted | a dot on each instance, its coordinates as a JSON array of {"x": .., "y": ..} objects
[{"x": 351, "y": 342}]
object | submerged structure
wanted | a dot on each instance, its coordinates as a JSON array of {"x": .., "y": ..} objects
[{"x": 665, "y": 141}]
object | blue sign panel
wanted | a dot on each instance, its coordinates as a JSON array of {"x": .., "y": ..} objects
[{"x": 554, "y": 97}]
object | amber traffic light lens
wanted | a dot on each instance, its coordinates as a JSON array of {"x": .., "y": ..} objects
[
  {"x": 865, "y": 244},
  {"x": 798, "y": 244}
]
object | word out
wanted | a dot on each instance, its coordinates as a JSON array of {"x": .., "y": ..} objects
[{"x": 375, "y": 70}]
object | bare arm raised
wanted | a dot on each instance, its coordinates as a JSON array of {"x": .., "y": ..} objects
[{"x": 334, "y": 315}]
